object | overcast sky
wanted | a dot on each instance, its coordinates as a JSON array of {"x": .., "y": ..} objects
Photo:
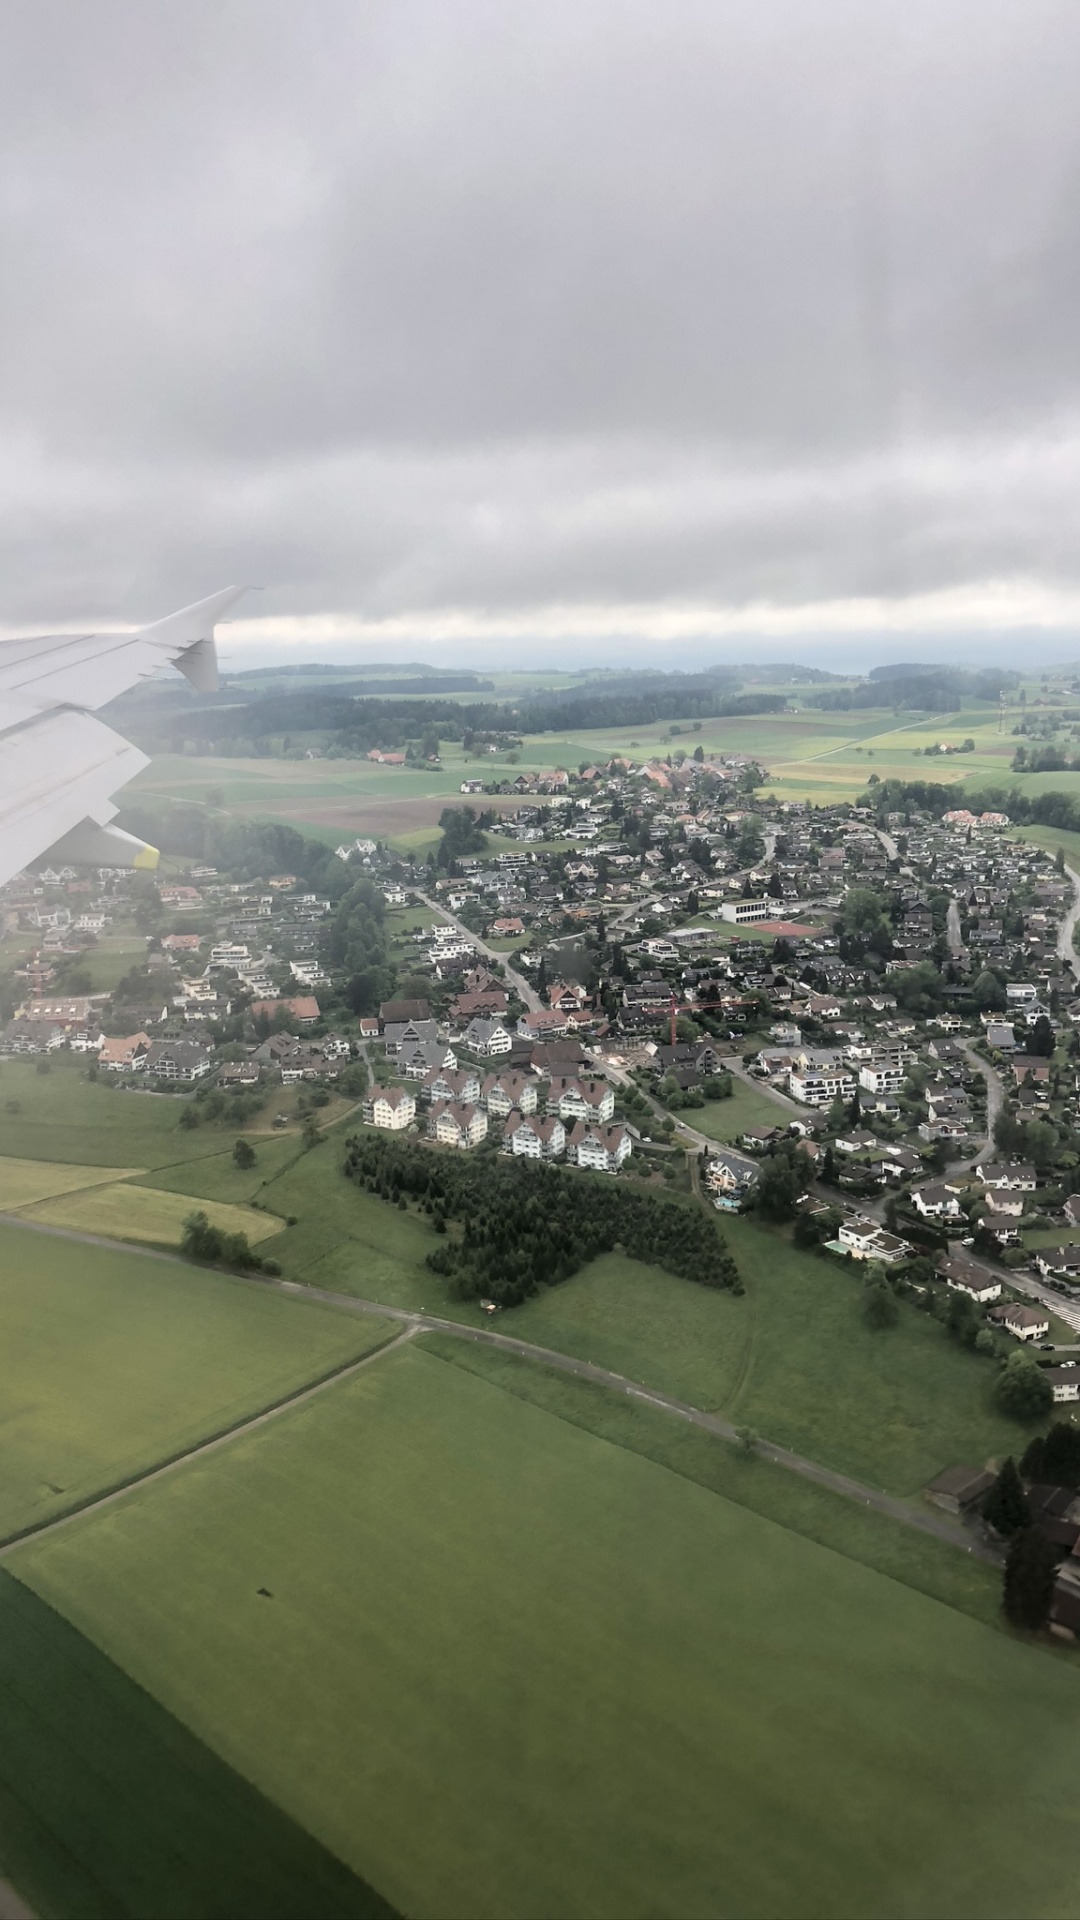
[{"x": 574, "y": 331}]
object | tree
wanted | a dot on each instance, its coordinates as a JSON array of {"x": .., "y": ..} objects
[
  {"x": 1023, "y": 1389},
  {"x": 1030, "y": 1572},
  {"x": 243, "y": 1155},
  {"x": 1005, "y": 1506},
  {"x": 879, "y": 1308},
  {"x": 988, "y": 993},
  {"x": 1054, "y": 1456},
  {"x": 1041, "y": 1038}
]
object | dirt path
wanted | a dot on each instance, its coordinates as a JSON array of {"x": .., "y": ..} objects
[
  {"x": 204, "y": 1447},
  {"x": 412, "y": 1323}
]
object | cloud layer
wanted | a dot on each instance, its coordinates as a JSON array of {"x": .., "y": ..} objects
[{"x": 606, "y": 321}]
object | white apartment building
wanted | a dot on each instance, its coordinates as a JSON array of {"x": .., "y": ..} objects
[{"x": 392, "y": 1108}]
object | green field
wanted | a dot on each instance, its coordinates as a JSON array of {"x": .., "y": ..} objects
[
  {"x": 794, "y": 1359},
  {"x": 108, "y": 1806},
  {"x": 502, "y": 1667},
  {"x": 724, "y": 1120},
  {"x": 146, "y": 1214},
  {"x": 111, "y": 1362},
  {"x": 63, "y": 1116}
]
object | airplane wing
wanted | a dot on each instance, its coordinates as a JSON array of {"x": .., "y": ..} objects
[{"x": 59, "y": 766}]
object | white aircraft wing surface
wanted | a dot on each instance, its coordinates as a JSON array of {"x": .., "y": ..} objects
[{"x": 59, "y": 766}]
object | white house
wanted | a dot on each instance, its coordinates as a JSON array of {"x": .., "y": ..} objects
[
  {"x": 604, "y": 1148},
  {"x": 455, "y": 1125},
  {"x": 537, "y": 1139},
  {"x": 487, "y": 1038},
  {"x": 865, "y": 1240},
  {"x": 393, "y": 1108}
]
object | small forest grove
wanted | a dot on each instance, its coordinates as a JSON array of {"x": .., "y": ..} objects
[{"x": 523, "y": 1227}]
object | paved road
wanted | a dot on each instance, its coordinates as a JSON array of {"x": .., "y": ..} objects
[
  {"x": 954, "y": 938},
  {"x": 909, "y": 1515},
  {"x": 521, "y": 985}
]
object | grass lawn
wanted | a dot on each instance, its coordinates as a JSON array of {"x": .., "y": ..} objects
[
  {"x": 22, "y": 1182},
  {"x": 726, "y": 1119},
  {"x": 505, "y": 1668},
  {"x": 110, "y": 1807},
  {"x": 110, "y": 1362}
]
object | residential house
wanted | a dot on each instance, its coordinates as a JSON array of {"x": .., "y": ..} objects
[
  {"x": 303, "y": 1008},
  {"x": 445, "y": 1084},
  {"x": 1024, "y": 1323},
  {"x": 392, "y": 1108},
  {"x": 1063, "y": 1263},
  {"x": 1006, "y": 1179},
  {"x": 126, "y": 1055},
  {"x": 182, "y": 1060},
  {"x": 939, "y": 1200},
  {"x": 574, "y": 1099},
  {"x": 456, "y": 1125},
  {"x": 549, "y": 1025},
  {"x": 729, "y": 1179},
  {"x": 487, "y": 1038},
  {"x": 508, "y": 1092},
  {"x": 1065, "y": 1381},
  {"x": 604, "y": 1148},
  {"x": 977, "y": 1282},
  {"x": 536, "y": 1138},
  {"x": 865, "y": 1240}
]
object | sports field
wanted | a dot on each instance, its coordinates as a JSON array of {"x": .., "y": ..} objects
[
  {"x": 112, "y": 1361},
  {"x": 499, "y": 1666}
]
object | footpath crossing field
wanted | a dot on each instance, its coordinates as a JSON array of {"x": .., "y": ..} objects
[{"x": 111, "y": 1362}]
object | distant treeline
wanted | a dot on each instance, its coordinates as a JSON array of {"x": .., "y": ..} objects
[
  {"x": 353, "y": 724},
  {"x": 923, "y": 689},
  {"x": 528, "y": 1226}
]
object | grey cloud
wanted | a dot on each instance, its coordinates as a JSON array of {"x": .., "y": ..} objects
[{"x": 405, "y": 308}]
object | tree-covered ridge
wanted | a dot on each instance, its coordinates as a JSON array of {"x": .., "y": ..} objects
[
  {"x": 354, "y": 724},
  {"x": 528, "y": 1226}
]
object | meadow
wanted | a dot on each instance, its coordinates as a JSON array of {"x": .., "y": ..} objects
[
  {"x": 810, "y": 754},
  {"x": 112, "y": 1807},
  {"x": 501, "y": 1667},
  {"x": 112, "y": 1362},
  {"x": 792, "y": 1359},
  {"x": 724, "y": 1120}
]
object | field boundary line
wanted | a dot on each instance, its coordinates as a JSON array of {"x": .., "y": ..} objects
[
  {"x": 414, "y": 1321},
  {"x": 120, "y": 1489}
]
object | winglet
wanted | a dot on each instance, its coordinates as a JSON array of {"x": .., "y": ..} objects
[{"x": 188, "y": 637}]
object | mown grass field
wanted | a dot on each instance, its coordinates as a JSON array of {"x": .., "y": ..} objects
[
  {"x": 502, "y": 1667},
  {"x": 726, "y": 1119},
  {"x": 147, "y": 1214},
  {"x": 110, "y": 1362},
  {"x": 108, "y": 1806}
]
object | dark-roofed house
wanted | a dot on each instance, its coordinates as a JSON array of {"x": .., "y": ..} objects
[{"x": 396, "y": 1013}]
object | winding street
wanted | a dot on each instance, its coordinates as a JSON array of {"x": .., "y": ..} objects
[
  {"x": 1065, "y": 947},
  {"x": 521, "y": 986},
  {"x": 907, "y": 1513}
]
